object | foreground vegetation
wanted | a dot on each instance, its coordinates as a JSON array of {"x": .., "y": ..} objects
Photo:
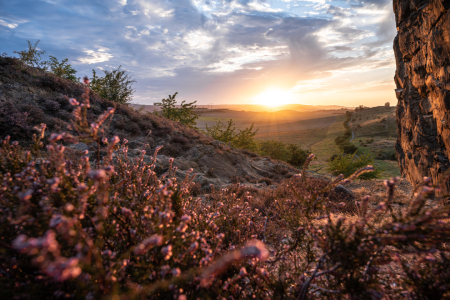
[{"x": 105, "y": 226}]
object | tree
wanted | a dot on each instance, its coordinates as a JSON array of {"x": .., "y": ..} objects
[
  {"x": 32, "y": 56},
  {"x": 183, "y": 114},
  {"x": 115, "y": 86},
  {"x": 62, "y": 69}
]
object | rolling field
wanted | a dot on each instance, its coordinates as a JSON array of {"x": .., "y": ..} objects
[
  {"x": 304, "y": 138},
  {"x": 375, "y": 132},
  {"x": 267, "y": 122},
  {"x": 374, "y": 128}
]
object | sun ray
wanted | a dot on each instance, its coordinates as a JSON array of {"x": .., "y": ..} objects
[{"x": 273, "y": 97}]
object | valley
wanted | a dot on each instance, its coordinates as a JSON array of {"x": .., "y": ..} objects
[{"x": 374, "y": 129}]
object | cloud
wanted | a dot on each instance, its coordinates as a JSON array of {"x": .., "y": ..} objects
[
  {"x": 226, "y": 49},
  {"x": 8, "y": 24},
  {"x": 94, "y": 57}
]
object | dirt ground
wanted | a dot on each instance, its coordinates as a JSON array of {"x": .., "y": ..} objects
[{"x": 378, "y": 192}]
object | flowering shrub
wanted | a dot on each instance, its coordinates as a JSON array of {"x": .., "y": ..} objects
[{"x": 104, "y": 225}]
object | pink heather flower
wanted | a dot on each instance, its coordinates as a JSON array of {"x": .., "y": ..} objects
[
  {"x": 115, "y": 139},
  {"x": 55, "y": 137},
  {"x": 186, "y": 218},
  {"x": 86, "y": 80},
  {"x": 56, "y": 220},
  {"x": 164, "y": 270},
  {"x": 20, "y": 243},
  {"x": 255, "y": 249},
  {"x": 127, "y": 212},
  {"x": 63, "y": 269},
  {"x": 176, "y": 272},
  {"x": 193, "y": 247},
  {"x": 25, "y": 196},
  {"x": 148, "y": 243},
  {"x": 167, "y": 252},
  {"x": 97, "y": 175},
  {"x": 182, "y": 228},
  {"x": 74, "y": 102},
  {"x": 109, "y": 168}
]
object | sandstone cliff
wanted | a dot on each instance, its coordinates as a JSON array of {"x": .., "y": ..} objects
[{"x": 422, "y": 52}]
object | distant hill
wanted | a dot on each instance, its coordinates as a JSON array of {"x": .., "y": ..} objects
[{"x": 254, "y": 107}]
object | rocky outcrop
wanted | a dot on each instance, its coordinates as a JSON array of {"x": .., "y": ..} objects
[
  {"x": 29, "y": 97},
  {"x": 422, "y": 53}
]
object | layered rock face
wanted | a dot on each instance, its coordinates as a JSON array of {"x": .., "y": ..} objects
[{"x": 422, "y": 52}]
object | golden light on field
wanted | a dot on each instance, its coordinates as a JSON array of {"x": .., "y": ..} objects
[{"x": 273, "y": 97}]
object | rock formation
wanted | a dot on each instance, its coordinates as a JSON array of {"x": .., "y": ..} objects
[{"x": 422, "y": 53}]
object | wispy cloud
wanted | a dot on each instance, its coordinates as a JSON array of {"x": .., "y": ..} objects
[{"x": 229, "y": 50}]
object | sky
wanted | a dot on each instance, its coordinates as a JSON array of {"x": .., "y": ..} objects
[{"x": 314, "y": 52}]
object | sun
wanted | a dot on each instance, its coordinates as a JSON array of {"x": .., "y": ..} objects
[{"x": 273, "y": 97}]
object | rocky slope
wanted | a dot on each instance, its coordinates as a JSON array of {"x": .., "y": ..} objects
[
  {"x": 422, "y": 52},
  {"x": 29, "y": 97}
]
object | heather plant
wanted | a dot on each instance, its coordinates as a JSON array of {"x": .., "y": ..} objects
[
  {"x": 183, "y": 114},
  {"x": 107, "y": 226}
]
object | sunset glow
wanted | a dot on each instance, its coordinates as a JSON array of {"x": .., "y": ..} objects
[
  {"x": 273, "y": 98},
  {"x": 311, "y": 52}
]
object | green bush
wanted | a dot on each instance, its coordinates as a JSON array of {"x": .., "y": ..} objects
[
  {"x": 244, "y": 139},
  {"x": 274, "y": 149},
  {"x": 347, "y": 164},
  {"x": 297, "y": 156},
  {"x": 343, "y": 140},
  {"x": 62, "y": 69},
  {"x": 183, "y": 114},
  {"x": 289, "y": 153},
  {"x": 32, "y": 56},
  {"x": 116, "y": 85},
  {"x": 349, "y": 148}
]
